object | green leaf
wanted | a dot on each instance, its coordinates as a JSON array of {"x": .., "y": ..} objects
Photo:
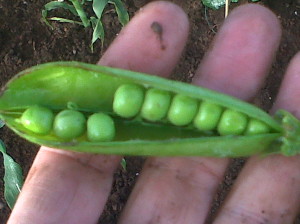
[
  {"x": 81, "y": 13},
  {"x": 124, "y": 164},
  {"x": 13, "y": 178},
  {"x": 98, "y": 7},
  {"x": 98, "y": 32},
  {"x": 77, "y": 9},
  {"x": 56, "y": 5},
  {"x": 1, "y": 123},
  {"x": 44, "y": 18},
  {"x": 83, "y": 1},
  {"x": 121, "y": 11},
  {"x": 63, "y": 20},
  {"x": 216, "y": 4}
]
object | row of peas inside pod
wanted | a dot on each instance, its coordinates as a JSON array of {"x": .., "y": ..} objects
[
  {"x": 155, "y": 105},
  {"x": 68, "y": 124},
  {"x": 152, "y": 105}
]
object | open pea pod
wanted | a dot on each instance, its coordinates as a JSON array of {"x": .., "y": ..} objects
[{"x": 97, "y": 109}]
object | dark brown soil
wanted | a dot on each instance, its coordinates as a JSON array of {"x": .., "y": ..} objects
[{"x": 26, "y": 41}]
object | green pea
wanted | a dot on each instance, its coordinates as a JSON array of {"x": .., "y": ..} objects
[
  {"x": 128, "y": 100},
  {"x": 156, "y": 104},
  {"x": 208, "y": 116},
  {"x": 100, "y": 128},
  {"x": 38, "y": 119},
  {"x": 182, "y": 110},
  {"x": 255, "y": 127},
  {"x": 69, "y": 124},
  {"x": 232, "y": 123}
]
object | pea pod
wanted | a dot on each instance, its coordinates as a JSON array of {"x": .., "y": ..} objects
[{"x": 143, "y": 115}]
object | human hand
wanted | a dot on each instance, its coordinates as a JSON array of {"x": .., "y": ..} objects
[{"x": 67, "y": 187}]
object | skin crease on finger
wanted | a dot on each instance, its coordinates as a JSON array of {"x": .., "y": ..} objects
[
  {"x": 277, "y": 199},
  {"x": 181, "y": 190},
  {"x": 67, "y": 187}
]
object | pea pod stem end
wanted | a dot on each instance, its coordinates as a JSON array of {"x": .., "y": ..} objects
[{"x": 291, "y": 133}]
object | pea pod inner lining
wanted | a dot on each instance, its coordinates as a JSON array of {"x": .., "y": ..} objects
[{"x": 91, "y": 88}]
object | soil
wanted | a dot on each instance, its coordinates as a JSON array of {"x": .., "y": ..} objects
[{"x": 26, "y": 41}]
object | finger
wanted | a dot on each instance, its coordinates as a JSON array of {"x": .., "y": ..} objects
[
  {"x": 268, "y": 189},
  {"x": 154, "y": 39},
  {"x": 65, "y": 187},
  {"x": 240, "y": 54},
  {"x": 180, "y": 190},
  {"x": 288, "y": 96}
]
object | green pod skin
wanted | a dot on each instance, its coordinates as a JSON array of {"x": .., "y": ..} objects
[{"x": 91, "y": 89}]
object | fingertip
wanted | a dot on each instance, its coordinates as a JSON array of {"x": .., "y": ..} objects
[
  {"x": 242, "y": 52},
  {"x": 151, "y": 42},
  {"x": 288, "y": 95},
  {"x": 167, "y": 8},
  {"x": 262, "y": 17}
]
